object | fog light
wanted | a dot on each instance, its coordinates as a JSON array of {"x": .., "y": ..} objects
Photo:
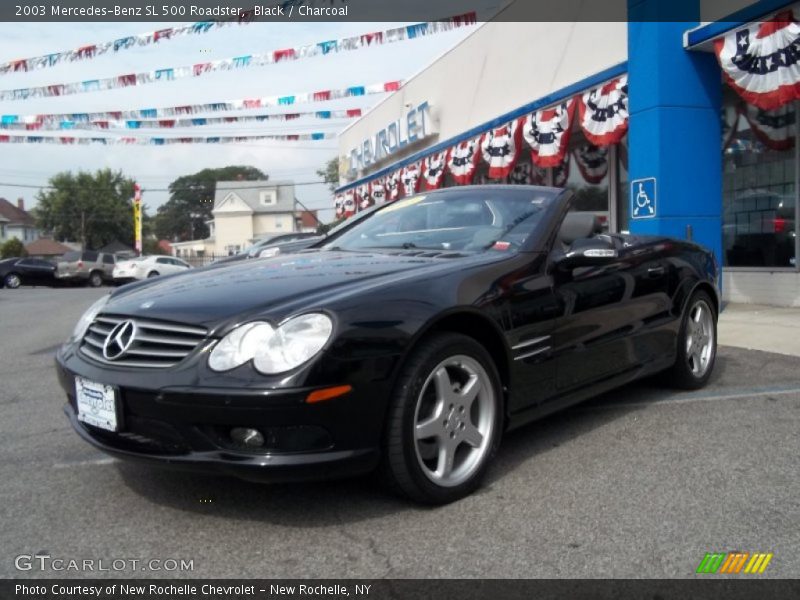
[{"x": 244, "y": 436}]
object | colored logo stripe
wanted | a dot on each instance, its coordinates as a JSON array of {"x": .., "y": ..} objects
[{"x": 733, "y": 562}]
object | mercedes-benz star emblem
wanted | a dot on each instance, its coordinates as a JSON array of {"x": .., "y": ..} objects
[{"x": 119, "y": 340}]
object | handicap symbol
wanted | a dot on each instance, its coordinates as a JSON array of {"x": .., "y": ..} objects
[{"x": 643, "y": 202}]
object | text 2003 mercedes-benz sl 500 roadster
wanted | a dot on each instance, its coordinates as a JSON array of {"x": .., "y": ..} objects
[{"x": 407, "y": 342}]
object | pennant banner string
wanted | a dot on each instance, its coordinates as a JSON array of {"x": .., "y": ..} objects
[
  {"x": 100, "y": 124},
  {"x": 212, "y": 107},
  {"x": 388, "y": 36},
  {"x": 89, "y": 51},
  {"x": 161, "y": 141}
]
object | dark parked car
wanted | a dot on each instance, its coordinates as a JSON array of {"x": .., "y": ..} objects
[
  {"x": 409, "y": 342},
  {"x": 15, "y": 272}
]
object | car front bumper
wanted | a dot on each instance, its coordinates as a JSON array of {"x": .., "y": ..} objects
[{"x": 189, "y": 427}]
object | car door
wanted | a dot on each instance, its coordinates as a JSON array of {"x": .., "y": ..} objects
[
  {"x": 164, "y": 265},
  {"x": 34, "y": 271},
  {"x": 608, "y": 313}
]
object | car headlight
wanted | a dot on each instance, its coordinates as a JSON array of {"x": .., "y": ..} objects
[
  {"x": 293, "y": 343},
  {"x": 87, "y": 318},
  {"x": 266, "y": 253}
]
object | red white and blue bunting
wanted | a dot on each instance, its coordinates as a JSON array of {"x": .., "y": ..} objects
[
  {"x": 603, "y": 112},
  {"x": 592, "y": 162},
  {"x": 396, "y": 34},
  {"x": 547, "y": 133},
  {"x": 774, "y": 128},
  {"x": 501, "y": 147},
  {"x": 338, "y": 205},
  {"x": 350, "y": 203},
  {"x": 377, "y": 191},
  {"x": 364, "y": 196},
  {"x": 463, "y": 160},
  {"x": 433, "y": 168},
  {"x": 762, "y": 61},
  {"x": 409, "y": 179},
  {"x": 393, "y": 186},
  {"x": 602, "y": 115}
]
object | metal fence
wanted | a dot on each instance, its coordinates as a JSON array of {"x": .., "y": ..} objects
[{"x": 202, "y": 261}]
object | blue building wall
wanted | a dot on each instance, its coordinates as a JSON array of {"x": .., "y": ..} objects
[{"x": 675, "y": 128}]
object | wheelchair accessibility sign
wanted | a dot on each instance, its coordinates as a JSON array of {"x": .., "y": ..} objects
[{"x": 643, "y": 198}]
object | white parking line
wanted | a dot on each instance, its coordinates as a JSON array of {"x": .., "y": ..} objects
[
  {"x": 83, "y": 463},
  {"x": 751, "y": 393}
]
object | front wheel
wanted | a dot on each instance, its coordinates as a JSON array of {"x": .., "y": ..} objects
[
  {"x": 12, "y": 281},
  {"x": 445, "y": 420},
  {"x": 95, "y": 279},
  {"x": 697, "y": 344}
]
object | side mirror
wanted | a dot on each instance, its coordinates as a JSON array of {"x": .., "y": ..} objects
[{"x": 590, "y": 256}]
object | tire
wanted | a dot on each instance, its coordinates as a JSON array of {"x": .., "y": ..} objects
[
  {"x": 465, "y": 429},
  {"x": 12, "y": 281},
  {"x": 697, "y": 344},
  {"x": 152, "y": 274},
  {"x": 95, "y": 279}
]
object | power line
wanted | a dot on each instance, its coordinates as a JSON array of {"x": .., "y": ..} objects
[{"x": 264, "y": 183}]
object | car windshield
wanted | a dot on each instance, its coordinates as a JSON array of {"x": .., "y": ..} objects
[{"x": 461, "y": 220}]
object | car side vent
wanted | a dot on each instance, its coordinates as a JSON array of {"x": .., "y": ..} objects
[{"x": 147, "y": 344}]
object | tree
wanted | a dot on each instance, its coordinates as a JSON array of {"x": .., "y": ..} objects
[
  {"x": 191, "y": 201},
  {"x": 12, "y": 248},
  {"x": 94, "y": 209},
  {"x": 330, "y": 174}
]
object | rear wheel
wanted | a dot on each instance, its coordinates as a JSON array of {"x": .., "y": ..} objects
[
  {"x": 12, "y": 281},
  {"x": 445, "y": 420},
  {"x": 697, "y": 344},
  {"x": 95, "y": 279},
  {"x": 152, "y": 274}
]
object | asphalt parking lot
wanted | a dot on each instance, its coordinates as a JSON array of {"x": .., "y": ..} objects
[{"x": 639, "y": 483}]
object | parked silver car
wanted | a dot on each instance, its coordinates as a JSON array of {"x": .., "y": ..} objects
[{"x": 87, "y": 266}]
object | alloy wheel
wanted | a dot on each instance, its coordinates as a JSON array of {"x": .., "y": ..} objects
[
  {"x": 700, "y": 338},
  {"x": 13, "y": 281},
  {"x": 454, "y": 420}
]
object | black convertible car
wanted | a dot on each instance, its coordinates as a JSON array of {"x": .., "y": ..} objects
[{"x": 408, "y": 342}]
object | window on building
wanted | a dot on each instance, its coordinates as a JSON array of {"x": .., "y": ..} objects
[
  {"x": 759, "y": 186},
  {"x": 268, "y": 197}
]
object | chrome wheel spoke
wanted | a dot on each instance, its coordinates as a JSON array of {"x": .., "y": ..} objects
[
  {"x": 430, "y": 428},
  {"x": 447, "y": 455},
  {"x": 470, "y": 391},
  {"x": 472, "y": 436},
  {"x": 444, "y": 386}
]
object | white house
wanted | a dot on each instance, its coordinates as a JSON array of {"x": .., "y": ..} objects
[{"x": 15, "y": 222}]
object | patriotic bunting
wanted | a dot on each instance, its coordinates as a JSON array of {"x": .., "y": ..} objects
[
  {"x": 212, "y": 107},
  {"x": 463, "y": 160},
  {"x": 338, "y": 205},
  {"x": 377, "y": 191},
  {"x": 433, "y": 168},
  {"x": 592, "y": 162},
  {"x": 762, "y": 61},
  {"x": 239, "y": 62},
  {"x": 393, "y": 186},
  {"x": 603, "y": 112},
  {"x": 547, "y": 133},
  {"x": 364, "y": 197},
  {"x": 409, "y": 179},
  {"x": 522, "y": 174},
  {"x": 349, "y": 203},
  {"x": 774, "y": 128},
  {"x": 501, "y": 148}
]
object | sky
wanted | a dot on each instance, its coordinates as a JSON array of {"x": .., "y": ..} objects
[{"x": 154, "y": 167}]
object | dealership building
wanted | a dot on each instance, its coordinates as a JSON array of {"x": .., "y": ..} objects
[{"x": 685, "y": 129}]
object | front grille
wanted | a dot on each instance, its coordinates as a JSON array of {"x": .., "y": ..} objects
[{"x": 156, "y": 345}]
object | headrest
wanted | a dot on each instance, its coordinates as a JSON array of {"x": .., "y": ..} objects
[{"x": 577, "y": 226}]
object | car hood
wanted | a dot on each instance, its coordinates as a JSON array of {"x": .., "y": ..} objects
[{"x": 275, "y": 286}]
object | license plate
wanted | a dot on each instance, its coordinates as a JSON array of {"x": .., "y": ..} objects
[{"x": 97, "y": 404}]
